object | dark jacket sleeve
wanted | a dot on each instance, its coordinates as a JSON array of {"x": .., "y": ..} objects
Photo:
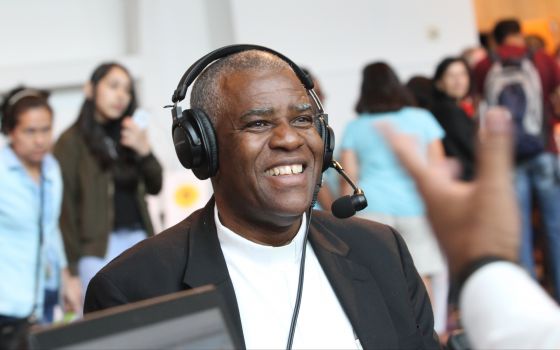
[
  {"x": 419, "y": 298},
  {"x": 152, "y": 173},
  {"x": 102, "y": 294},
  {"x": 67, "y": 154}
]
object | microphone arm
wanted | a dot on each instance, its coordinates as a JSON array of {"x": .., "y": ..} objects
[
  {"x": 340, "y": 170},
  {"x": 347, "y": 206}
]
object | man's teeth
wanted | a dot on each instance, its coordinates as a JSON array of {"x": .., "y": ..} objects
[{"x": 285, "y": 170}]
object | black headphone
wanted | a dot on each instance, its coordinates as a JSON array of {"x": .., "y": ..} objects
[{"x": 193, "y": 133}]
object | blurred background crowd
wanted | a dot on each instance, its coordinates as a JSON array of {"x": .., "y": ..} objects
[{"x": 86, "y": 138}]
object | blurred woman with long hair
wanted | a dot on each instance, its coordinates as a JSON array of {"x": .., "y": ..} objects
[
  {"x": 108, "y": 168},
  {"x": 453, "y": 108}
]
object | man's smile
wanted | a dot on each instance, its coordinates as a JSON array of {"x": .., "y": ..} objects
[{"x": 285, "y": 170}]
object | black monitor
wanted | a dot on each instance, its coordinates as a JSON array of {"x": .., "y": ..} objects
[{"x": 193, "y": 319}]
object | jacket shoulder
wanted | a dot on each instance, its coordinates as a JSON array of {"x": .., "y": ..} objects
[
  {"x": 369, "y": 242},
  {"x": 357, "y": 231},
  {"x": 153, "y": 267}
]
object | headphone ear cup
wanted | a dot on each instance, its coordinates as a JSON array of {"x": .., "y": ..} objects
[
  {"x": 209, "y": 165},
  {"x": 327, "y": 135},
  {"x": 329, "y": 148},
  {"x": 187, "y": 141},
  {"x": 195, "y": 143}
]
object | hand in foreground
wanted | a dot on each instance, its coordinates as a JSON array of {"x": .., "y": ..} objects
[
  {"x": 470, "y": 220},
  {"x": 135, "y": 137}
]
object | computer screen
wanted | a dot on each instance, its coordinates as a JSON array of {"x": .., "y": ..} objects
[{"x": 193, "y": 319}]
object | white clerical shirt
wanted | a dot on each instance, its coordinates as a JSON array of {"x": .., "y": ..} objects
[{"x": 265, "y": 280}]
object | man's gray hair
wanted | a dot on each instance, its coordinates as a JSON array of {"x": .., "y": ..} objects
[{"x": 207, "y": 89}]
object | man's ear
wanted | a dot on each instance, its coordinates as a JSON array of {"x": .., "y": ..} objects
[{"x": 88, "y": 90}]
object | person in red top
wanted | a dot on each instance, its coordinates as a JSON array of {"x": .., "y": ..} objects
[
  {"x": 537, "y": 174},
  {"x": 511, "y": 44}
]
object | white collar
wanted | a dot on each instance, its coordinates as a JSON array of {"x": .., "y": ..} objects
[{"x": 242, "y": 247}]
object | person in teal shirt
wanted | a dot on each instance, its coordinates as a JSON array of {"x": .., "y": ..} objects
[
  {"x": 391, "y": 193},
  {"x": 32, "y": 258}
]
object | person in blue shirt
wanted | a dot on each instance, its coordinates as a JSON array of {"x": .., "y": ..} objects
[
  {"x": 32, "y": 258},
  {"x": 391, "y": 193}
]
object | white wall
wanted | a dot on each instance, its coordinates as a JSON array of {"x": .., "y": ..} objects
[
  {"x": 335, "y": 39},
  {"x": 57, "y": 43},
  {"x": 57, "y": 30}
]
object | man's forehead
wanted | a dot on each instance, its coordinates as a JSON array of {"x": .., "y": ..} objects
[
  {"x": 253, "y": 83},
  {"x": 263, "y": 92},
  {"x": 251, "y": 76},
  {"x": 269, "y": 110}
]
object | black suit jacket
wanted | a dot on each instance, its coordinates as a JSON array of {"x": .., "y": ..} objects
[{"x": 367, "y": 264}]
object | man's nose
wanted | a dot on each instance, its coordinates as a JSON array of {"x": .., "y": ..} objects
[{"x": 286, "y": 136}]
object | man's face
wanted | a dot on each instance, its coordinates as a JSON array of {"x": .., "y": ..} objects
[
  {"x": 32, "y": 136},
  {"x": 270, "y": 153}
]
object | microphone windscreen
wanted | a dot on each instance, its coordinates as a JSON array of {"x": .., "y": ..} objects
[{"x": 343, "y": 208}]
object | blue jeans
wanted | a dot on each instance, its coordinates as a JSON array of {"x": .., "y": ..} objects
[
  {"x": 51, "y": 300},
  {"x": 538, "y": 176}
]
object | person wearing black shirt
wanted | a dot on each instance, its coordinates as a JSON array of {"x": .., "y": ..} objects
[
  {"x": 454, "y": 112},
  {"x": 108, "y": 168}
]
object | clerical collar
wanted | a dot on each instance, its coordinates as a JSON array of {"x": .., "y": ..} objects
[{"x": 246, "y": 249}]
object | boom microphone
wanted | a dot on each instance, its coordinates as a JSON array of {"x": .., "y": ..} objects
[{"x": 346, "y": 206}]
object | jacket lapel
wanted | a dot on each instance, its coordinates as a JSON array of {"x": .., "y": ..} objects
[
  {"x": 356, "y": 289},
  {"x": 206, "y": 264}
]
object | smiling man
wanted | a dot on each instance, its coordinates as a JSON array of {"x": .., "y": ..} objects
[{"x": 361, "y": 288}]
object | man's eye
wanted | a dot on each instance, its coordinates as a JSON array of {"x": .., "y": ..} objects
[
  {"x": 256, "y": 124},
  {"x": 303, "y": 121}
]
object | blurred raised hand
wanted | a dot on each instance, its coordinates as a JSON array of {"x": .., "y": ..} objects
[{"x": 471, "y": 220}]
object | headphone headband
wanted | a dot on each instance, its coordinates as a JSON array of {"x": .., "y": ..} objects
[
  {"x": 193, "y": 134},
  {"x": 194, "y": 71}
]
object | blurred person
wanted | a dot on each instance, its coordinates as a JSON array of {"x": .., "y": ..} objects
[
  {"x": 534, "y": 42},
  {"x": 108, "y": 168},
  {"x": 557, "y": 55},
  {"x": 486, "y": 40},
  {"x": 392, "y": 196},
  {"x": 526, "y": 87},
  {"x": 502, "y": 307},
  {"x": 421, "y": 89},
  {"x": 473, "y": 55},
  {"x": 361, "y": 289},
  {"x": 452, "y": 85},
  {"x": 33, "y": 264}
]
